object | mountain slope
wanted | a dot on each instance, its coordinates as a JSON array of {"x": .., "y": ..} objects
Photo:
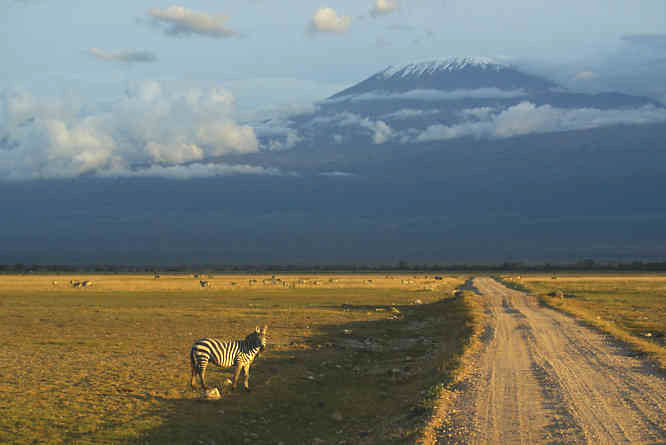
[
  {"x": 448, "y": 161},
  {"x": 448, "y": 74}
]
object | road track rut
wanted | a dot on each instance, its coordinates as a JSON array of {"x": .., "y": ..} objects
[{"x": 544, "y": 378}]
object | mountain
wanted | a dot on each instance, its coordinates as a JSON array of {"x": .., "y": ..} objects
[
  {"x": 404, "y": 109},
  {"x": 448, "y": 74},
  {"x": 448, "y": 161}
]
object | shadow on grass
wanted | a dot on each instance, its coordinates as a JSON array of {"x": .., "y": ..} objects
[{"x": 357, "y": 382}]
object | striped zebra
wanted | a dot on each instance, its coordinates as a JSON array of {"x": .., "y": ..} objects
[{"x": 240, "y": 353}]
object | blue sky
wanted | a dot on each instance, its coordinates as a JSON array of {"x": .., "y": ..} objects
[{"x": 271, "y": 58}]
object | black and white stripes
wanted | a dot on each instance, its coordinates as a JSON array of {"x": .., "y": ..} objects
[{"x": 225, "y": 354}]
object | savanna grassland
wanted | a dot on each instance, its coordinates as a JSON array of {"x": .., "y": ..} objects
[
  {"x": 631, "y": 308},
  {"x": 351, "y": 358}
]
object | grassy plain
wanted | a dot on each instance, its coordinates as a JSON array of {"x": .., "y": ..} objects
[
  {"x": 109, "y": 363},
  {"x": 631, "y": 308}
]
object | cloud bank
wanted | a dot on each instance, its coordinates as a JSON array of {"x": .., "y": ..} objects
[
  {"x": 379, "y": 131},
  {"x": 528, "y": 118},
  {"x": 180, "y": 21},
  {"x": 384, "y": 7},
  {"x": 327, "y": 20},
  {"x": 148, "y": 132},
  {"x": 651, "y": 40},
  {"x": 130, "y": 56},
  {"x": 433, "y": 95}
]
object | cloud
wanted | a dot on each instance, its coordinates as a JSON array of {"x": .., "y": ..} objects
[
  {"x": 327, "y": 20},
  {"x": 190, "y": 171},
  {"x": 52, "y": 138},
  {"x": 384, "y": 7},
  {"x": 409, "y": 113},
  {"x": 651, "y": 40},
  {"x": 528, "y": 118},
  {"x": 274, "y": 125},
  {"x": 180, "y": 21},
  {"x": 586, "y": 75},
  {"x": 382, "y": 42},
  {"x": 130, "y": 56},
  {"x": 401, "y": 27},
  {"x": 336, "y": 174},
  {"x": 434, "y": 95},
  {"x": 380, "y": 132},
  {"x": 480, "y": 113}
]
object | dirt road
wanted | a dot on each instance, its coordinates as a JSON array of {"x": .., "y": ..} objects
[{"x": 543, "y": 378}]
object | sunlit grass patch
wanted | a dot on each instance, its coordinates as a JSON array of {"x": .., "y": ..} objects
[
  {"x": 632, "y": 308},
  {"x": 109, "y": 363}
]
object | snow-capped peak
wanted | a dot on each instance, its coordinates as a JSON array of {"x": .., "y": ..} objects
[{"x": 447, "y": 64}]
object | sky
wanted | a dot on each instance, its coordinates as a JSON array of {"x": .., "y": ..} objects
[
  {"x": 105, "y": 87},
  {"x": 267, "y": 53}
]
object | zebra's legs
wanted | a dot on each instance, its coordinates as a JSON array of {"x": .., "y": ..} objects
[
  {"x": 247, "y": 377},
  {"x": 202, "y": 376},
  {"x": 193, "y": 368},
  {"x": 236, "y": 375}
]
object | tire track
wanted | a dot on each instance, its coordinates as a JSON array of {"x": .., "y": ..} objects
[{"x": 543, "y": 378}]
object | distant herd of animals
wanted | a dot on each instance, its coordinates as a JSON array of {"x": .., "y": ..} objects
[
  {"x": 75, "y": 283},
  {"x": 225, "y": 354}
]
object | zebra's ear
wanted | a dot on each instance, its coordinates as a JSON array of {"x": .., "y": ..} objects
[
  {"x": 256, "y": 329},
  {"x": 263, "y": 331}
]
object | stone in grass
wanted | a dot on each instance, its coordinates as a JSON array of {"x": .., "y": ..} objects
[{"x": 211, "y": 394}]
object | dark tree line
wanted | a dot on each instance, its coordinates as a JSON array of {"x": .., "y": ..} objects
[{"x": 402, "y": 266}]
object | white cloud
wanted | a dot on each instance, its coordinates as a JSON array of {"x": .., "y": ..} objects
[
  {"x": 528, "y": 118},
  {"x": 381, "y": 42},
  {"x": 380, "y": 132},
  {"x": 409, "y": 113},
  {"x": 196, "y": 170},
  {"x": 336, "y": 174},
  {"x": 383, "y": 7},
  {"x": 226, "y": 137},
  {"x": 180, "y": 21},
  {"x": 586, "y": 75},
  {"x": 47, "y": 138},
  {"x": 434, "y": 95},
  {"x": 174, "y": 153},
  {"x": 291, "y": 138},
  {"x": 129, "y": 56},
  {"x": 478, "y": 113},
  {"x": 328, "y": 20},
  {"x": 650, "y": 40}
]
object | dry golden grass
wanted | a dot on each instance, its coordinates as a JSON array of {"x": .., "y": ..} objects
[
  {"x": 109, "y": 363},
  {"x": 632, "y": 308}
]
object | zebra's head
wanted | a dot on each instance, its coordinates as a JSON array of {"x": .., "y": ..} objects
[{"x": 258, "y": 338}]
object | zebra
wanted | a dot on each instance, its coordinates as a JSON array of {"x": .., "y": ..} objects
[
  {"x": 204, "y": 283},
  {"x": 226, "y": 354}
]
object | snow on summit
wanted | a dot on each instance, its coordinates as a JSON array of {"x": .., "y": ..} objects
[{"x": 447, "y": 64}]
